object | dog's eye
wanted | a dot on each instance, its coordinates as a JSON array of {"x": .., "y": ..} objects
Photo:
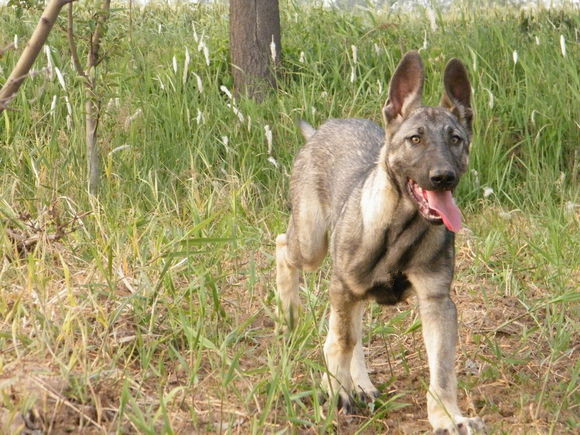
[
  {"x": 415, "y": 139},
  {"x": 455, "y": 139}
]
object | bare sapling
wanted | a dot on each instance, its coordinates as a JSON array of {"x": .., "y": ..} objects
[{"x": 89, "y": 73}]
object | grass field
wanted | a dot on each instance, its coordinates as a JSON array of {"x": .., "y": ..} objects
[{"x": 151, "y": 308}]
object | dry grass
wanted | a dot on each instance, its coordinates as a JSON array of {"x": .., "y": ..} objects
[
  {"x": 150, "y": 309},
  {"x": 83, "y": 373}
]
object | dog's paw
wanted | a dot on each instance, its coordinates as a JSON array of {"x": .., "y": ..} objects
[
  {"x": 367, "y": 395},
  {"x": 345, "y": 404},
  {"x": 462, "y": 426}
]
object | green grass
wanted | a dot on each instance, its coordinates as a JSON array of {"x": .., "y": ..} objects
[{"x": 157, "y": 313}]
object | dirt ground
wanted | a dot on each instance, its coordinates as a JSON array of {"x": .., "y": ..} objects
[{"x": 504, "y": 392}]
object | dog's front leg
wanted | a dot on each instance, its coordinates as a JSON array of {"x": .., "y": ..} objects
[
  {"x": 339, "y": 345},
  {"x": 439, "y": 319},
  {"x": 358, "y": 368}
]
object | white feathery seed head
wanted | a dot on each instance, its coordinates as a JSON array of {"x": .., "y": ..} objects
[
  {"x": 206, "y": 54},
  {"x": 60, "y": 78},
  {"x": 432, "y": 19},
  {"x": 563, "y": 45},
  {"x": 273, "y": 49},
  {"x": 268, "y": 133},
  {"x": 199, "y": 83},
  {"x": 49, "y": 62},
  {"x": 491, "y": 99},
  {"x": 226, "y": 91},
  {"x": 186, "y": 66},
  {"x": 200, "y": 119},
  {"x": 53, "y": 104}
]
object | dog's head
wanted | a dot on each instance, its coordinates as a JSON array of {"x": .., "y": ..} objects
[{"x": 427, "y": 148}]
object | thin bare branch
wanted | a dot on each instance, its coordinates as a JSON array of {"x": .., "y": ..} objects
[
  {"x": 4, "y": 102},
  {"x": 5, "y": 107},
  {"x": 9, "y": 47},
  {"x": 72, "y": 44},
  {"x": 30, "y": 52},
  {"x": 102, "y": 17}
]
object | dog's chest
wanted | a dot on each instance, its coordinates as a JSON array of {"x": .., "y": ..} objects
[
  {"x": 408, "y": 243},
  {"x": 390, "y": 290},
  {"x": 402, "y": 244}
]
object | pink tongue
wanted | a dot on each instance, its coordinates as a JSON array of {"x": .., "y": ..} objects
[{"x": 443, "y": 203}]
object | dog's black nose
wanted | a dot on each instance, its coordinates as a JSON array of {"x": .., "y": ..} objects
[{"x": 442, "y": 177}]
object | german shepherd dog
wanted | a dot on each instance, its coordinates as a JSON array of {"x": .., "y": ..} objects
[{"x": 382, "y": 201}]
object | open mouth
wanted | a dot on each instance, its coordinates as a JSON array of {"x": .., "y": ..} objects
[{"x": 436, "y": 206}]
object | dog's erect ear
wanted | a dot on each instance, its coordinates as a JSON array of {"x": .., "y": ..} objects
[
  {"x": 457, "y": 95},
  {"x": 406, "y": 87}
]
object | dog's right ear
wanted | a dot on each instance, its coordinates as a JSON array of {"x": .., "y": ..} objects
[{"x": 406, "y": 88}]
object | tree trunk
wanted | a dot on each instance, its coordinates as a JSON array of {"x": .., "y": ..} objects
[
  {"x": 28, "y": 56},
  {"x": 254, "y": 45}
]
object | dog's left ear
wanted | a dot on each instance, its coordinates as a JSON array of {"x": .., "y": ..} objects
[{"x": 457, "y": 95}]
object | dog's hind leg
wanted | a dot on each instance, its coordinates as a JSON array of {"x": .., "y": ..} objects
[
  {"x": 358, "y": 369},
  {"x": 302, "y": 247},
  {"x": 287, "y": 281}
]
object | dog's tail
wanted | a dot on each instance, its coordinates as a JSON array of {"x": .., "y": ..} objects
[{"x": 307, "y": 130}]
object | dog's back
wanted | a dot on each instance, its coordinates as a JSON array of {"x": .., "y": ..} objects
[{"x": 335, "y": 159}]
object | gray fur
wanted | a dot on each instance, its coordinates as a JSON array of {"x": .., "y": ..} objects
[{"x": 349, "y": 193}]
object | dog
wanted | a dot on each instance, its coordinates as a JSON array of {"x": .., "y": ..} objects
[{"x": 381, "y": 201}]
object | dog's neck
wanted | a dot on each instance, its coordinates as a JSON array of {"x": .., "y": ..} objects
[{"x": 382, "y": 199}]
